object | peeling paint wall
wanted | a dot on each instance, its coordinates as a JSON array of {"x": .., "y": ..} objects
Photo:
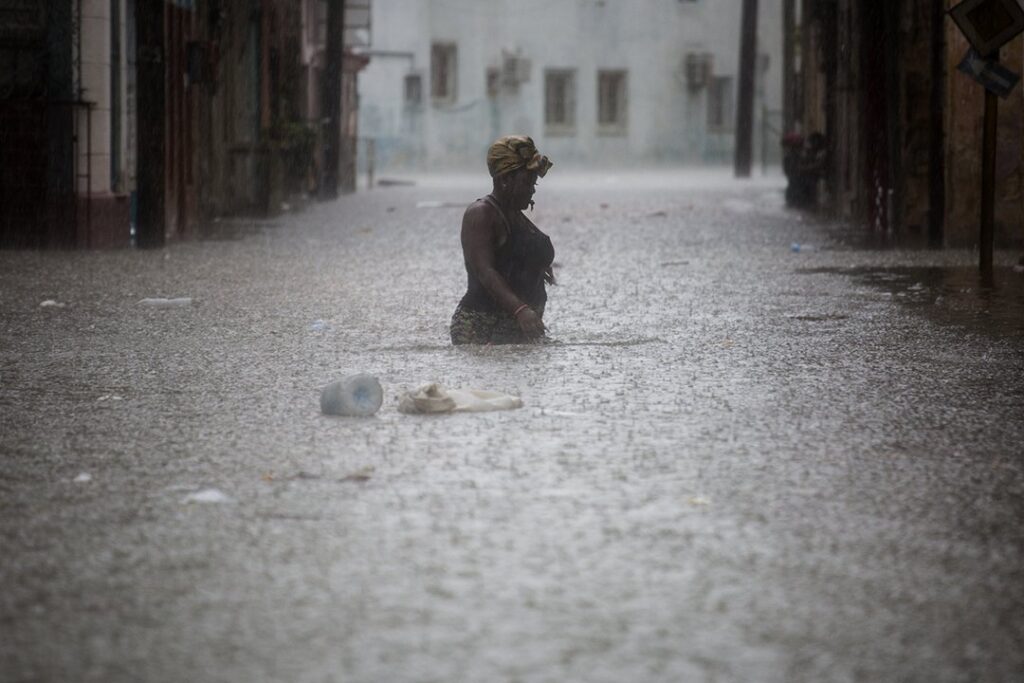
[{"x": 965, "y": 113}]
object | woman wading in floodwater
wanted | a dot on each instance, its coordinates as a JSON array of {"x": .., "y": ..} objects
[{"x": 508, "y": 259}]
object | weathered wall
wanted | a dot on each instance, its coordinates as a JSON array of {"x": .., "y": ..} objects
[
  {"x": 877, "y": 112},
  {"x": 965, "y": 113}
]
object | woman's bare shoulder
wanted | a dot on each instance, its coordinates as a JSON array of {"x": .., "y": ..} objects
[
  {"x": 479, "y": 208},
  {"x": 481, "y": 213}
]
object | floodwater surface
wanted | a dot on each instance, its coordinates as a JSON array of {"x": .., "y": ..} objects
[{"x": 735, "y": 462}]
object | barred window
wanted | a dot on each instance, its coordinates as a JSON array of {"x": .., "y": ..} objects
[
  {"x": 442, "y": 71},
  {"x": 559, "y": 101},
  {"x": 611, "y": 101},
  {"x": 720, "y": 104}
]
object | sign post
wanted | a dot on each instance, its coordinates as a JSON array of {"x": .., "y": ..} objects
[{"x": 988, "y": 25}]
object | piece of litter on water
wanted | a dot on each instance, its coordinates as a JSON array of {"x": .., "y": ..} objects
[
  {"x": 110, "y": 397},
  {"x": 50, "y": 303},
  {"x": 699, "y": 501},
  {"x": 360, "y": 475},
  {"x": 359, "y": 395},
  {"x": 319, "y": 326},
  {"x": 207, "y": 496},
  {"x": 434, "y": 398},
  {"x": 432, "y": 204},
  {"x": 158, "y": 302},
  {"x": 82, "y": 478}
]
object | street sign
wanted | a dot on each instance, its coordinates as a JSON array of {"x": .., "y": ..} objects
[
  {"x": 995, "y": 77},
  {"x": 988, "y": 24}
]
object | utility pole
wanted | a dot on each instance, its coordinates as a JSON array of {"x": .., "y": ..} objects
[
  {"x": 745, "y": 107},
  {"x": 988, "y": 180},
  {"x": 788, "y": 65},
  {"x": 151, "y": 79},
  {"x": 332, "y": 97},
  {"x": 937, "y": 129}
]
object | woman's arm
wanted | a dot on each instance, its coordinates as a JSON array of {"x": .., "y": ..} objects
[{"x": 482, "y": 234}]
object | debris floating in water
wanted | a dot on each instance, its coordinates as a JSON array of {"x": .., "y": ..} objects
[
  {"x": 51, "y": 303},
  {"x": 158, "y": 302},
  {"x": 355, "y": 396},
  {"x": 207, "y": 496},
  {"x": 434, "y": 398},
  {"x": 431, "y": 204}
]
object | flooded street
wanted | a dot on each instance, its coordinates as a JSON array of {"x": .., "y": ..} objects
[{"x": 753, "y": 451}]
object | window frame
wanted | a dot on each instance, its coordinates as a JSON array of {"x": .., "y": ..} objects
[
  {"x": 725, "y": 122},
  {"x": 443, "y": 57},
  {"x": 619, "y": 79},
  {"x": 566, "y": 126}
]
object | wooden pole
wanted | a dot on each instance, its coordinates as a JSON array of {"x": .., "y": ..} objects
[
  {"x": 152, "y": 121},
  {"x": 788, "y": 65},
  {"x": 988, "y": 181},
  {"x": 937, "y": 129},
  {"x": 745, "y": 106},
  {"x": 332, "y": 97}
]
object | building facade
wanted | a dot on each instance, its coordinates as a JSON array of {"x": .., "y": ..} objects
[
  {"x": 135, "y": 121},
  {"x": 902, "y": 124},
  {"x": 603, "y": 82}
]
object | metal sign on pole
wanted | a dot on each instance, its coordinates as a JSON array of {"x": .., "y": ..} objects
[
  {"x": 988, "y": 25},
  {"x": 989, "y": 73}
]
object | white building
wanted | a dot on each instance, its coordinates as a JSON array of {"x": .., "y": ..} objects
[{"x": 594, "y": 82}]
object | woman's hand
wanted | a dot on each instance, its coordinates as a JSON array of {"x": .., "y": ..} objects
[{"x": 530, "y": 323}]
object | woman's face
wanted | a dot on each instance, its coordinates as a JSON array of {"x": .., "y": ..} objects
[{"x": 520, "y": 187}]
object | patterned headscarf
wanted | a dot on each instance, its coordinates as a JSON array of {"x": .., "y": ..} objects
[{"x": 514, "y": 152}]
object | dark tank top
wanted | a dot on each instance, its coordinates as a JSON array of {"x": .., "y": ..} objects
[{"x": 522, "y": 260}]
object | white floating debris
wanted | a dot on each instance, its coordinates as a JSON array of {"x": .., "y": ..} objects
[
  {"x": 157, "y": 302},
  {"x": 434, "y": 398},
  {"x": 319, "y": 326},
  {"x": 51, "y": 303},
  {"x": 431, "y": 204},
  {"x": 699, "y": 501},
  {"x": 82, "y": 478},
  {"x": 207, "y": 496}
]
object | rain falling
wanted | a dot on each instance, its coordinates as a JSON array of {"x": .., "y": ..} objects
[{"x": 479, "y": 340}]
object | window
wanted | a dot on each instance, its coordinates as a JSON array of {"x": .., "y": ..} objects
[
  {"x": 317, "y": 18},
  {"x": 442, "y": 72},
  {"x": 559, "y": 101},
  {"x": 413, "y": 89},
  {"x": 493, "y": 79},
  {"x": 720, "y": 114},
  {"x": 611, "y": 101}
]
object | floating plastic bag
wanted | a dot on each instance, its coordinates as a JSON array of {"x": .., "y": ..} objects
[{"x": 434, "y": 398}]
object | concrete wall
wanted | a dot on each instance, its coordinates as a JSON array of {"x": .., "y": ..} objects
[{"x": 666, "y": 120}]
